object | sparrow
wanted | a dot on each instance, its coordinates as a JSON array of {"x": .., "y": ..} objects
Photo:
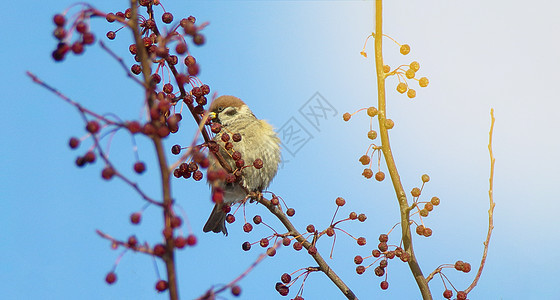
[{"x": 258, "y": 141}]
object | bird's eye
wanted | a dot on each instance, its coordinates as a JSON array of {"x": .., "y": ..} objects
[{"x": 220, "y": 109}]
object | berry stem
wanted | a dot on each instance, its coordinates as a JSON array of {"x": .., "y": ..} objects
[{"x": 387, "y": 152}]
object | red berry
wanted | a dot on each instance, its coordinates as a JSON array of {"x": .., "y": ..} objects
[
  {"x": 180, "y": 242},
  {"x": 247, "y": 227},
  {"x": 191, "y": 240},
  {"x": 466, "y": 267},
  {"x": 236, "y": 137},
  {"x": 258, "y": 163},
  {"x": 159, "y": 250},
  {"x": 375, "y": 253},
  {"x": 89, "y": 157},
  {"x": 405, "y": 256},
  {"x": 230, "y": 218},
  {"x": 379, "y": 271},
  {"x": 197, "y": 175},
  {"x": 360, "y": 270},
  {"x": 132, "y": 241},
  {"x": 111, "y": 35},
  {"x": 330, "y": 231},
  {"x": 176, "y": 149},
  {"x": 59, "y": 33},
  {"x": 81, "y": 27},
  {"x": 271, "y": 251},
  {"x": 286, "y": 241},
  {"x": 353, "y": 216},
  {"x": 176, "y": 222},
  {"x": 361, "y": 241},
  {"x": 383, "y": 237},
  {"x": 447, "y": 294},
  {"x": 286, "y": 278},
  {"x": 198, "y": 39},
  {"x": 461, "y": 295},
  {"x": 59, "y": 20},
  {"x": 88, "y": 38},
  {"x": 257, "y": 219},
  {"x": 282, "y": 289},
  {"x": 264, "y": 242},
  {"x": 161, "y": 285},
  {"x": 139, "y": 167},
  {"x": 297, "y": 246},
  {"x": 181, "y": 48},
  {"x": 135, "y": 218},
  {"x": 77, "y": 48},
  {"x": 92, "y": 127},
  {"x": 459, "y": 265},
  {"x": 246, "y": 246},
  {"x": 379, "y": 176},
  {"x": 384, "y": 285},
  {"x": 312, "y": 250},
  {"x": 290, "y": 212},
  {"x": 362, "y": 217},
  {"x": 382, "y": 246},
  {"x": 111, "y": 277},
  {"x": 340, "y": 201},
  {"x": 310, "y": 228},
  {"x": 107, "y": 173},
  {"x": 74, "y": 143},
  {"x": 167, "y": 18},
  {"x": 236, "y": 290},
  {"x": 358, "y": 259},
  {"x": 240, "y": 163}
]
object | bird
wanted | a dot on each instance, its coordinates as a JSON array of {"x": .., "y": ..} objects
[{"x": 258, "y": 141}]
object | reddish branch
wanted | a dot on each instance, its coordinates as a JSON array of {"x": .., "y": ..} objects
[{"x": 323, "y": 265}]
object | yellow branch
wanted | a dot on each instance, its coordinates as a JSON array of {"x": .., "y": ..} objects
[{"x": 391, "y": 165}]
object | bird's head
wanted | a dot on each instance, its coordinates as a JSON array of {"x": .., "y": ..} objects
[{"x": 229, "y": 109}]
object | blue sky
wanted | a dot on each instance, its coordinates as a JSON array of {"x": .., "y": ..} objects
[{"x": 276, "y": 55}]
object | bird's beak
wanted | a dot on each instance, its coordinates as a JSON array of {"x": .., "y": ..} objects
[{"x": 212, "y": 115}]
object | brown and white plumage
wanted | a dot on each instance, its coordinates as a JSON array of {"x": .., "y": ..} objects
[{"x": 258, "y": 140}]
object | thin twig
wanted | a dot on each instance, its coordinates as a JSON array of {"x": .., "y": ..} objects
[{"x": 490, "y": 210}]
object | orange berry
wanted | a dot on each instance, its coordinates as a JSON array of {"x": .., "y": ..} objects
[
  {"x": 364, "y": 160},
  {"x": 415, "y": 192},
  {"x": 372, "y": 111},
  {"x": 379, "y": 176},
  {"x": 435, "y": 201},
  {"x": 425, "y": 178},
  {"x": 368, "y": 173},
  {"x": 402, "y": 87},
  {"x": 411, "y": 93},
  {"x": 415, "y": 66},
  {"x": 386, "y": 68},
  {"x": 429, "y": 206},
  {"x": 423, "y": 82},
  {"x": 405, "y": 49},
  {"x": 372, "y": 134},
  {"x": 346, "y": 116},
  {"x": 410, "y": 73},
  {"x": 389, "y": 123}
]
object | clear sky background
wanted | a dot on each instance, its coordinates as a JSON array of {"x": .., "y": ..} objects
[{"x": 276, "y": 55}]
